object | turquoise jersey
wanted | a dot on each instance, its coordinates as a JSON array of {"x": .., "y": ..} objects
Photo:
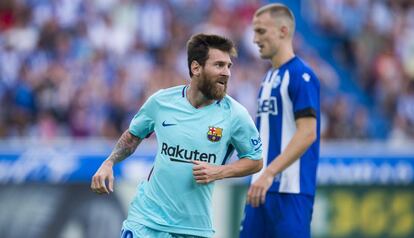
[{"x": 171, "y": 200}]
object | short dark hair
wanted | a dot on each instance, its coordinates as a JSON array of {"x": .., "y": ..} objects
[{"x": 198, "y": 47}]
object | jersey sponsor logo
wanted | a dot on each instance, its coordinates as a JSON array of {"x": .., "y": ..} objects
[
  {"x": 165, "y": 124},
  {"x": 214, "y": 134},
  {"x": 256, "y": 142},
  {"x": 267, "y": 106},
  {"x": 179, "y": 154}
]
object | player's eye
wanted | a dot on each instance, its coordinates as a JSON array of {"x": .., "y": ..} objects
[{"x": 260, "y": 31}]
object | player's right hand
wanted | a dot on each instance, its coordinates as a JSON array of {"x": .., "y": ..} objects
[
  {"x": 103, "y": 174},
  {"x": 257, "y": 191}
]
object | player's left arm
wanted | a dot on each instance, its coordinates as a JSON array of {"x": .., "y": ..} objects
[
  {"x": 303, "y": 138},
  {"x": 206, "y": 173}
]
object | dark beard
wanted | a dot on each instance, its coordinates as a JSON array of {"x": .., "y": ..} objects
[{"x": 210, "y": 90}]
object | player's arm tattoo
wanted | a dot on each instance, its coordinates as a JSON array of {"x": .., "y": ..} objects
[{"x": 125, "y": 146}]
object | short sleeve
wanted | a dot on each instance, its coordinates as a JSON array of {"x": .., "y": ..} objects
[
  {"x": 245, "y": 137},
  {"x": 304, "y": 92},
  {"x": 142, "y": 125}
]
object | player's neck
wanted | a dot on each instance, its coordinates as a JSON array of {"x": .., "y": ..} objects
[
  {"x": 197, "y": 98},
  {"x": 284, "y": 55}
]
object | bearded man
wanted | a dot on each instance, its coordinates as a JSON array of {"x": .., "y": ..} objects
[{"x": 198, "y": 127}]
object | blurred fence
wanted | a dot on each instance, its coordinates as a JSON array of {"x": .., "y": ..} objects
[{"x": 365, "y": 190}]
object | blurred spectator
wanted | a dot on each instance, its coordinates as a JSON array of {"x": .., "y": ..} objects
[
  {"x": 378, "y": 36},
  {"x": 405, "y": 109},
  {"x": 7, "y": 14},
  {"x": 339, "y": 120}
]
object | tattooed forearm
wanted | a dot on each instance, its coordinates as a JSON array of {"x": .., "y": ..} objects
[{"x": 125, "y": 146}]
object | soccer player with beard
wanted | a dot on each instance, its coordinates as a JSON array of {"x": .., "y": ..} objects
[
  {"x": 198, "y": 127},
  {"x": 281, "y": 195}
]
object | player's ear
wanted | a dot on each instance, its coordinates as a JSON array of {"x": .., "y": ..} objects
[
  {"x": 195, "y": 68},
  {"x": 284, "y": 31}
]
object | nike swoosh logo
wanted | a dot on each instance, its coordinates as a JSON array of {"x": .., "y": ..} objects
[{"x": 164, "y": 124}]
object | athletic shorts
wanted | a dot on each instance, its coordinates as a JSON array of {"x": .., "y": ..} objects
[
  {"x": 282, "y": 216},
  {"x": 136, "y": 230}
]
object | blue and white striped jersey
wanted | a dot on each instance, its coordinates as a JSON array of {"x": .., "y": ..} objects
[{"x": 286, "y": 94}]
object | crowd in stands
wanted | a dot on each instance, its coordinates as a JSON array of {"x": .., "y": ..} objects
[
  {"x": 83, "y": 68},
  {"x": 377, "y": 45}
]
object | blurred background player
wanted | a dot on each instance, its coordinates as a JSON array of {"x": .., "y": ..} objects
[
  {"x": 198, "y": 127},
  {"x": 281, "y": 195}
]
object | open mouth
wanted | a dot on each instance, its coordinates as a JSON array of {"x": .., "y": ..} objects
[
  {"x": 222, "y": 82},
  {"x": 260, "y": 46}
]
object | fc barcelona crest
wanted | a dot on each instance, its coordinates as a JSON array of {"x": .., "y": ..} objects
[{"x": 214, "y": 133}]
